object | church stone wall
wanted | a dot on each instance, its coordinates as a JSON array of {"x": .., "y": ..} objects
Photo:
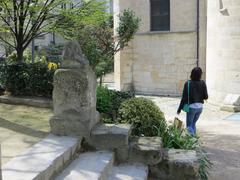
[
  {"x": 160, "y": 62},
  {"x": 223, "y": 55}
]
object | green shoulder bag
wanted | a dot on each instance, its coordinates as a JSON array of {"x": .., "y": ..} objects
[{"x": 186, "y": 106}]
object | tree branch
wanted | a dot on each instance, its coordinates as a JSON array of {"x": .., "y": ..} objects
[{"x": 6, "y": 42}]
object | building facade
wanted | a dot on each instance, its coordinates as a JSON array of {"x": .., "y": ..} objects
[
  {"x": 176, "y": 36},
  {"x": 170, "y": 42},
  {"x": 223, "y": 55}
]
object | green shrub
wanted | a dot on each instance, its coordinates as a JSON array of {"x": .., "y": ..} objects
[
  {"x": 144, "y": 115},
  {"x": 109, "y": 101},
  {"x": 104, "y": 100},
  {"x": 27, "y": 79},
  {"x": 179, "y": 139}
]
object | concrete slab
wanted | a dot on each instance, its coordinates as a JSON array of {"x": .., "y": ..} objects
[
  {"x": 40, "y": 161},
  {"x": 110, "y": 136},
  {"x": 129, "y": 172},
  {"x": 88, "y": 166}
]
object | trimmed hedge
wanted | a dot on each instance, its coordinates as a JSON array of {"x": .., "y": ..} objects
[
  {"x": 109, "y": 101},
  {"x": 145, "y": 116},
  {"x": 27, "y": 79}
]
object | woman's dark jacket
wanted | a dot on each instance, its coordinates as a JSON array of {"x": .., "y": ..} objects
[{"x": 197, "y": 93}]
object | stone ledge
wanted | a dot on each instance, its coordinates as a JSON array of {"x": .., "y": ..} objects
[
  {"x": 110, "y": 136},
  {"x": 147, "y": 150},
  {"x": 42, "y": 160},
  {"x": 28, "y": 101}
]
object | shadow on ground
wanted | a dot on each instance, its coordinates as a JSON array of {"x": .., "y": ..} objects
[
  {"x": 22, "y": 129},
  {"x": 224, "y": 152}
]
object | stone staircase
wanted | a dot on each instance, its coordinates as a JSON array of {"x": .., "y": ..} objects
[
  {"x": 109, "y": 154},
  {"x": 89, "y": 166}
]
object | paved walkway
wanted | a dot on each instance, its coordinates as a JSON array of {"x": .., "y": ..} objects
[{"x": 220, "y": 137}]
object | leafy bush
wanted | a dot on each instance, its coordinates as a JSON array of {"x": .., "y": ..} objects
[
  {"x": 104, "y": 100},
  {"x": 12, "y": 58},
  {"x": 109, "y": 101},
  {"x": 179, "y": 139},
  {"x": 144, "y": 115},
  {"x": 27, "y": 79}
]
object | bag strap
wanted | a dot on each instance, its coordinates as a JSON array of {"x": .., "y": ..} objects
[{"x": 188, "y": 90}]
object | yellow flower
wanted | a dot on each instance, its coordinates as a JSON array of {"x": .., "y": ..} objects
[{"x": 52, "y": 66}]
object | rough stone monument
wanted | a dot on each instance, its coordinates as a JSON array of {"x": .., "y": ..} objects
[{"x": 74, "y": 95}]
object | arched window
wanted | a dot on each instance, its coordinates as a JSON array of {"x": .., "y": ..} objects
[{"x": 160, "y": 15}]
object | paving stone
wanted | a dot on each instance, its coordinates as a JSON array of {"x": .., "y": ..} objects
[
  {"x": 88, "y": 166},
  {"x": 110, "y": 136},
  {"x": 146, "y": 150},
  {"x": 129, "y": 172},
  {"x": 41, "y": 160}
]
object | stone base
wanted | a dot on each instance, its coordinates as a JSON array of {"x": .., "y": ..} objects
[{"x": 72, "y": 124}]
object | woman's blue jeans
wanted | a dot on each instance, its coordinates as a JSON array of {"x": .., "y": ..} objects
[{"x": 192, "y": 117}]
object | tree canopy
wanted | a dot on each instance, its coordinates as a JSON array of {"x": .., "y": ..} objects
[{"x": 25, "y": 20}]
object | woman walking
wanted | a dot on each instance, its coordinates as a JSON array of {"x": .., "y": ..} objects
[{"x": 194, "y": 94}]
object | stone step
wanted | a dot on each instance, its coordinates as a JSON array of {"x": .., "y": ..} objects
[
  {"x": 110, "y": 136},
  {"x": 42, "y": 160},
  {"x": 147, "y": 150},
  {"x": 89, "y": 166},
  {"x": 129, "y": 172}
]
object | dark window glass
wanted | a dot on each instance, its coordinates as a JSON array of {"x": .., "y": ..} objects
[{"x": 160, "y": 15}]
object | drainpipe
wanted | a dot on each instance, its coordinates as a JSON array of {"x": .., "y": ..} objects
[{"x": 198, "y": 13}]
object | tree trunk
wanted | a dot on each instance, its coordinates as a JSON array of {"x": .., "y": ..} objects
[
  {"x": 20, "y": 55},
  {"x": 101, "y": 81}
]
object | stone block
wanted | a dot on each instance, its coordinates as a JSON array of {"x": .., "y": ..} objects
[
  {"x": 183, "y": 162},
  {"x": 146, "y": 150},
  {"x": 177, "y": 164},
  {"x": 122, "y": 154},
  {"x": 74, "y": 95},
  {"x": 129, "y": 172},
  {"x": 110, "y": 136}
]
